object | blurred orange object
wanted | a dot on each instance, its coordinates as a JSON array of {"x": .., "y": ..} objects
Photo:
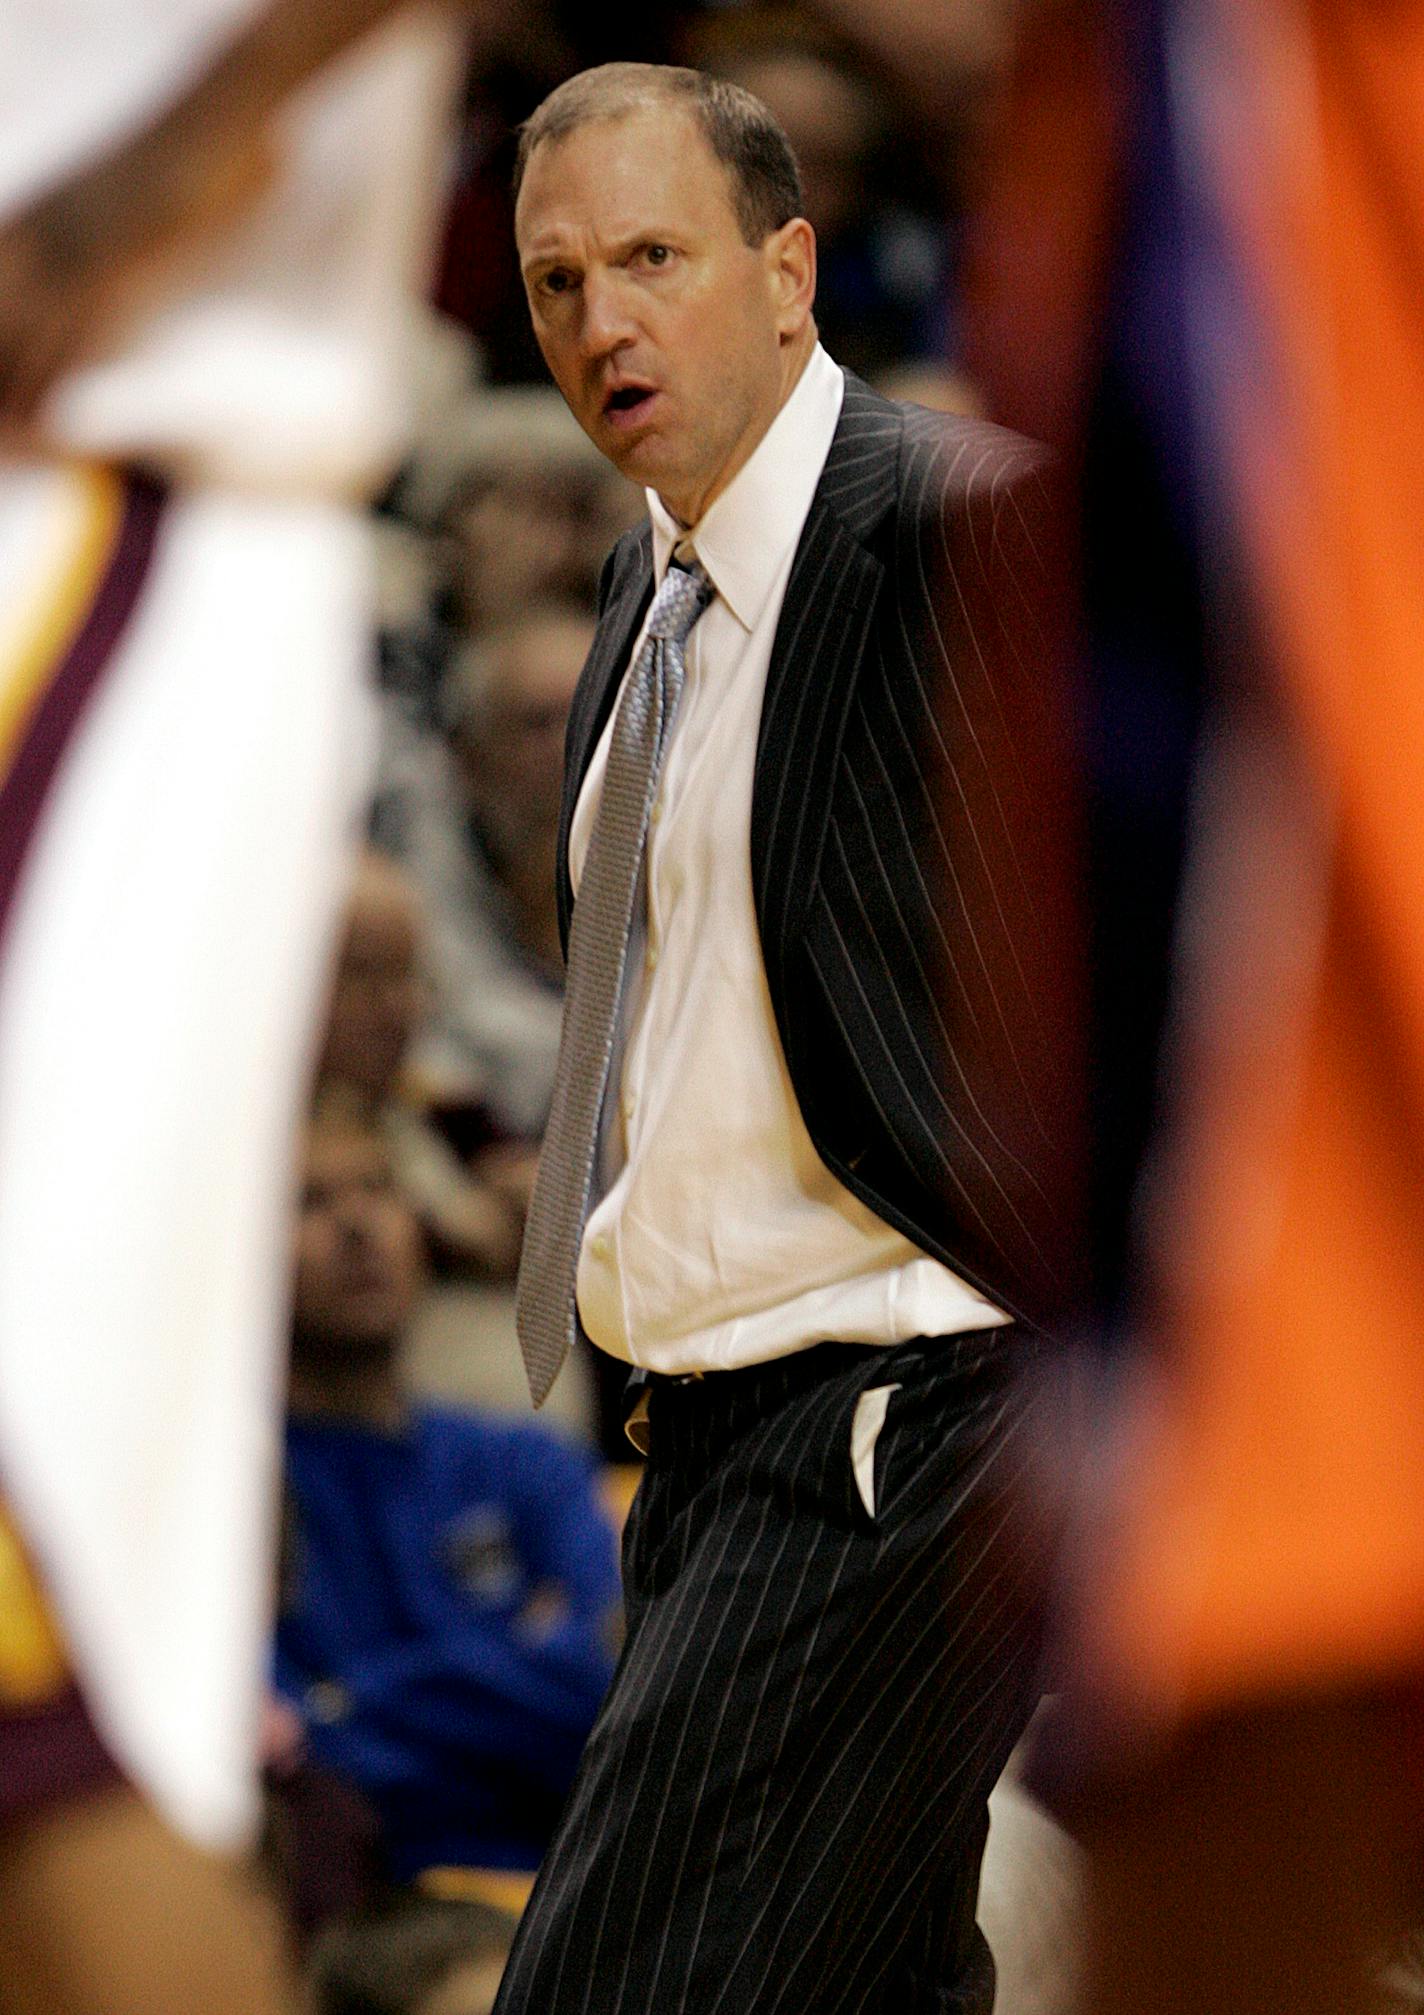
[{"x": 1272, "y": 1535}]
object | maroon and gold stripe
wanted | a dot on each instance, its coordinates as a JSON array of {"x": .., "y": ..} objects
[
  {"x": 69, "y": 644},
  {"x": 46, "y": 684}
]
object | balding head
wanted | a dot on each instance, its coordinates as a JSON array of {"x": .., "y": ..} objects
[{"x": 738, "y": 128}]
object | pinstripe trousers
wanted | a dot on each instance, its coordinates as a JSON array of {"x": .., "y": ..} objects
[{"x": 782, "y": 1806}]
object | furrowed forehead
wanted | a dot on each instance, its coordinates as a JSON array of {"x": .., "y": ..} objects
[{"x": 624, "y": 176}]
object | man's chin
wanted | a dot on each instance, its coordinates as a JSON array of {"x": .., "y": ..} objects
[
  {"x": 635, "y": 459},
  {"x": 640, "y": 455}
]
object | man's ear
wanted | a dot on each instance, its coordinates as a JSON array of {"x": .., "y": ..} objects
[{"x": 791, "y": 261}]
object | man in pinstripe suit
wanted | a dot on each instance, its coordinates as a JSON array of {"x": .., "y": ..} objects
[{"x": 822, "y": 1228}]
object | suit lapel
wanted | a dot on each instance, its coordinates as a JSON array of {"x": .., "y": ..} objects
[
  {"x": 816, "y": 655},
  {"x": 608, "y": 658},
  {"x": 598, "y": 687}
]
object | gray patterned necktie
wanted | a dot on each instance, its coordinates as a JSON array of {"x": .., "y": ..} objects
[{"x": 545, "y": 1309}]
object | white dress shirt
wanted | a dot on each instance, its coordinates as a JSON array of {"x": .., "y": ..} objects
[{"x": 722, "y": 1238}]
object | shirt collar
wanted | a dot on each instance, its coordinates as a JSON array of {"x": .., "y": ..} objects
[{"x": 744, "y": 536}]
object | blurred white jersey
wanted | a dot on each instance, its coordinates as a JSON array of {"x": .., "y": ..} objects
[
  {"x": 164, "y": 961},
  {"x": 282, "y": 364}
]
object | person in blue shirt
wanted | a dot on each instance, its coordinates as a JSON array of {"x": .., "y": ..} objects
[{"x": 449, "y": 1589}]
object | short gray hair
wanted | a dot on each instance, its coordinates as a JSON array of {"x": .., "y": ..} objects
[{"x": 741, "y": 132}]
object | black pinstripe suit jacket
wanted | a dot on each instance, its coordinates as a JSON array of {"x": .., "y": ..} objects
[{"x": 906, "y": 835}]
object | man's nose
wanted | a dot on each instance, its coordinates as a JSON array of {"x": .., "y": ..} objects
[{"x": 607, "y": 322}]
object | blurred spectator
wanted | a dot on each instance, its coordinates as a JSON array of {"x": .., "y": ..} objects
[
  {"x": 946, "y": 60},
  {"x": 884, "y": 285},
  {"x": 450, "y": 1583},
  {"x": 474, "y": 817},
  {"x": 512, "y": 499},
  {"x": 375, "y": 994},
  {"x": 463, "y": 1159},
  {"x": 504, "y": 504},
  {"x": 470, "y": 1204},
  {"x": 509, "y": 704},
  {"x": 481, "y": 841},
  {"x": 531, "y": 509}
]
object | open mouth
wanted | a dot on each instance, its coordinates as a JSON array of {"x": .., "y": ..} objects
[{"x": 628, "y": 403}]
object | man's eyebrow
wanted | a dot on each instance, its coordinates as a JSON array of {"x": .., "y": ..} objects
[
  {"x": 616, "y": 248},
  {"x": 536, "y": 263}
]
